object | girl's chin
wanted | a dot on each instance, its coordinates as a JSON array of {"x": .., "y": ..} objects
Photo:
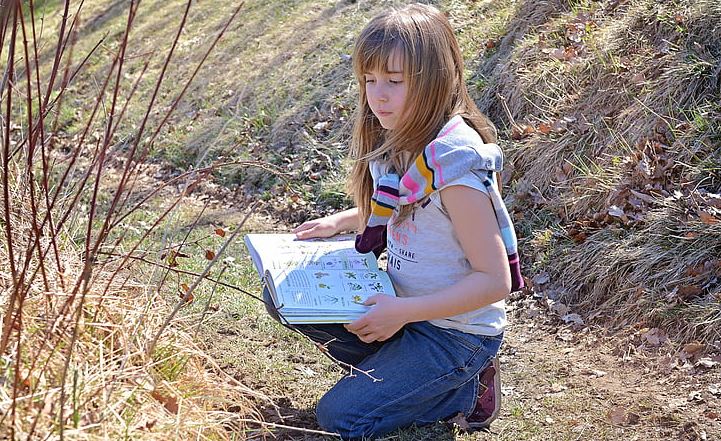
[{"x": 388, "y": 125}]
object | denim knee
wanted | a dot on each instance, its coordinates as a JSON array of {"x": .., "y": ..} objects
[
  {"x": 333, "y": 415},
  {"x": 337, "y": 415}
]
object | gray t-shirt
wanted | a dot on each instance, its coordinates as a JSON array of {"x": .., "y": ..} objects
[{"x": 424, "y": 257}]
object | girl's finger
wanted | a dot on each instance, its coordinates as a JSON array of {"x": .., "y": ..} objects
[
  {"x": 368, "y": 338},
  {"x": 372, "y": 300},
  {"x": 357, "y": 325},
  {"x": 302, "y": 227},
  {"x": 308, "y": 233}
]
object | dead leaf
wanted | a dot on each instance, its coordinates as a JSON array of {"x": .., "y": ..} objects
[
  {"x": 541, "y": 279},
  {"x": 654, "y": 337},
  {"x": 708, "y": 218},
  {"x": 544, "y": 128},
  {"x": 688, "y": 291},
  {"x": 460, "y": 421},
  {"x": 209, "y": 254},
  {"x": 697, "y": 270},
  {"x": 615, "y": 211},
  {"x": 691, "y": 350},
  {"x": 559, "y": 309},
  {"x": 638, "y": 79},
  {"x": 617, "y": 416},
  {"x": 632, "y": 418},
  {"x": 220, "y": 232},
  {"x": 573, "y": 318},
  {"x": 695, "y": 395},
  {"x": 185, "y": 289},
  {"x": 706, "y": 362},
  {"x": 169, "y": 402},
  {"x": 715, "y": 389},
  {"x": 643, "y": 196},
  {"x": 713, "y": 200}
]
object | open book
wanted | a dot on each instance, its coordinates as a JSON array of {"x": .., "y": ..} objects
[{"x": 317, "y": 280}]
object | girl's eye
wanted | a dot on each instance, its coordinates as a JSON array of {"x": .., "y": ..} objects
[
  {"x": 369, "y": 80},
  {"x": 396, "y": 81}
]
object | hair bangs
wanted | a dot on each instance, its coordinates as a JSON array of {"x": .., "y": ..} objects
[{"x": 374, "y": 50}]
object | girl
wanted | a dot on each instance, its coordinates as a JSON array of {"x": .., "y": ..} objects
[{"x": 424, "y": 186}]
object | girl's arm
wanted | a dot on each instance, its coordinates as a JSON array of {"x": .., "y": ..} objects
[
  {"x": 328, "y": 226},
  {"x": 476, "y": 228}
]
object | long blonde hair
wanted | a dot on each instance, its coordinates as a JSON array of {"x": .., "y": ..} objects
[{"x": 433, "y": 70}]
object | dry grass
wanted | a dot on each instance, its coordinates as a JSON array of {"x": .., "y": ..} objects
[
  {"x": 614, "y": 110},
  {"x": 89, "y": 350},
  {"x": 114, "y": 388}
]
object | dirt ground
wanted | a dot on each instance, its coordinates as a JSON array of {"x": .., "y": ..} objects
[{"x": 561, "y": 381}]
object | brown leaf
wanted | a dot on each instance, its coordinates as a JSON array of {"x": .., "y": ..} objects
[
  {"x": 209, "y": 254},
  {"x": 169, "y": 402},
  {"x": 692, "y": 349},
  {"x": 520, "y": 132},
  {"x": 697, "y": 269},
  {"x": 544, "y": 128},
  {"x": 688, "y": 291},
  {"x": 182, "y": 294},
  {"x": 220, "y": 232},
  {"x": 654, "y": 337},
  {"x": 490, "y": 44},
  {"x": 707, "y": 218},
  {"x": 579, "y": 237},
  {"x": 617, "y": 416},
  {"x": 638, "y": 79},
  {"x": 172, "y": 262},
  {"x": 632, "y": 418}
]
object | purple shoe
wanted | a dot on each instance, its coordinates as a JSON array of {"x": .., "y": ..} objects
[{"x": 488, "y": 402}]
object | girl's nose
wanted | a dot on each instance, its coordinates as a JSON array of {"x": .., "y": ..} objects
[{"x": 382, "y": 95}]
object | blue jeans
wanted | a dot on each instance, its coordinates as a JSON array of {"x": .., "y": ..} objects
[{"x": 427, "y": 374}]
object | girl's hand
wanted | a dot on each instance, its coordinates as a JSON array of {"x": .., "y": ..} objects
[
  {"x": 386, "y": 317},
  {"x": 323, "y": 227}
]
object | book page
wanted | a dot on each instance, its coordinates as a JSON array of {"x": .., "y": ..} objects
[
  {"x": 315, "y": 290},
  {"x": 281, "y": 251}
]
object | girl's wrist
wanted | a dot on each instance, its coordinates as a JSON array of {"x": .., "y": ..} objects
[
  {"x": 346, "y": 220},
  {"x": 412, "y": 309}
]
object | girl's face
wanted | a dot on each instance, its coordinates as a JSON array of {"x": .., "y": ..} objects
[{"x": 386, "y": 91}]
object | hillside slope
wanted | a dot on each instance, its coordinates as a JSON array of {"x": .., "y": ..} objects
[{"x": 610, "y": 117}]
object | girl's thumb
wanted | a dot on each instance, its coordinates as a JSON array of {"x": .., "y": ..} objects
[{"x": 372, "y": 300}]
